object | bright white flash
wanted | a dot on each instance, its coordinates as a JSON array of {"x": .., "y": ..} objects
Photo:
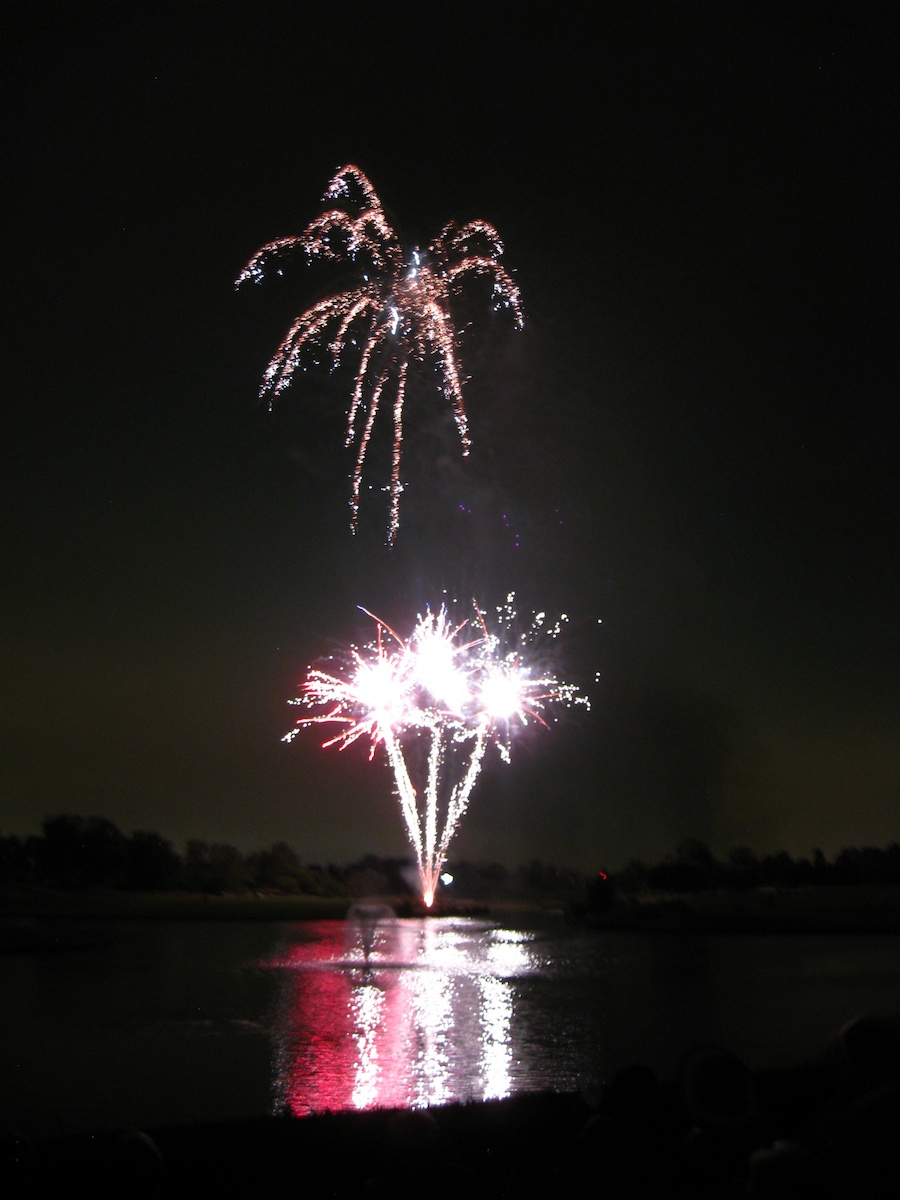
[
  {"x": 501, "y": 695},
  {"x": 442, "y": 696}
]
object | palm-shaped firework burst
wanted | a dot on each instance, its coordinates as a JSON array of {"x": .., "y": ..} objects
[
  {"x": 453, "y": 689},
  {"x": 398, "y": 311}
]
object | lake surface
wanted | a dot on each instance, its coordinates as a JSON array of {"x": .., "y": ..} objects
[{"x": 154, "y": 1023}]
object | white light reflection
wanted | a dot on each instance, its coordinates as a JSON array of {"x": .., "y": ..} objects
[
  {"x": 496, "y": 1057},
  {"x": 368, "y": 1006},
  {"x": 508, "y": 956},
  {"x": 431, "y": 1009},
  {"x": 427, "y": 1019}
]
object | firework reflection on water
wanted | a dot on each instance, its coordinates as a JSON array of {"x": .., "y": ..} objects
[{"x": 426, "y": 1019}]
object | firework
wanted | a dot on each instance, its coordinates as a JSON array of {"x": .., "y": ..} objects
[
  {"x": 435, "y": 703},
  {"x": 397, "y": 311}
]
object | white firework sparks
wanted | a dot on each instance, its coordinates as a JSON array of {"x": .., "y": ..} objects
[
  {"x": 398, "y": 311},
  {"x": 459, "y": 688}
]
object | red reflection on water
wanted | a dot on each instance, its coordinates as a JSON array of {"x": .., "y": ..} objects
[
  {"x": 341, "y": 1029},
  {"x": 421, "y": 1019},
  {"x": 315, "y": 1027}
]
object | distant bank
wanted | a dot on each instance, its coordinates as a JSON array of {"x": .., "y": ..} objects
[
  {"x": 822, "y": 909},
  {"x": 860, "y": 909}
]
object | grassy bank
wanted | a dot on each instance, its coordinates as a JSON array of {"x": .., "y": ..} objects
[
  {"x": 93, "y": 903},
  {"x": 824, "y": 910},
  {"x": 763, "y": 910},
  {"x": 34, "y": 915}
]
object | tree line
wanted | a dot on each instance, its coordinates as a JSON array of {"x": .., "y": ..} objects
[
  {"x": 92, "y": 852},
  {"x": 76, "y": 852},
  {"x": 693, "y": 868}
]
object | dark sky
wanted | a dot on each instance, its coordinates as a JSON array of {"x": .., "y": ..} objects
[{"x": 692, "y": 439}]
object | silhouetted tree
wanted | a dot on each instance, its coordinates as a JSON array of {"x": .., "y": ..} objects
[
  {"x": 867, "y": 864},
  {"x": 876, "y": 866},
  {"x": 823, "y": 872},
  {"x": 779, "y": 870},
  {"x": 278, "y": 867},
  {"x": 742, "y": 869},
  {"x": 227, "y": 869},
  {"x": 695, "y": 853},
  {"x": 152, "y": 863},
  {"x": 676, "y": 876},
  {"x": 804, "y": 873},
  {"x": 479, "y": 881},
  {"x": 16, "y": 864},
  {"x": 632, "y": 878},
  {"x": 195, "y": 872},
  {"x": 214, "y": 868},
  {"x": 367, "y": 879},
  {"x": 315, "y": 880},
  {"x": 79, "y": 851},
  {"x": 538, "y": 876},
  {"x": 600, "y": 893}
]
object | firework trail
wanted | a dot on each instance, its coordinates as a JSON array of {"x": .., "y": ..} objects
[
  {"x": 450, "y": 691},
  {"x": 398, "y": 311}
]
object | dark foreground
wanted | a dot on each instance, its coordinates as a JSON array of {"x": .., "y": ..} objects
[{"x": 824, "y": 1129}]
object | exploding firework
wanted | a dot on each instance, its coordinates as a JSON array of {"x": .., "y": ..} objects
[
  {"x": 397, "y": 311},
  {"x": 439, "y": 699}
]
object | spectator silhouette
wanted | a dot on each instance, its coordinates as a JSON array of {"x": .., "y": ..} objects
[
  {"x": 627, "y": 1143},
  {"x": 130, "y": 1165},
  {"x": 869, "y": 1050},
  {"x": 788, "y": 1171},
  {"x": 719, "y": 1095}
]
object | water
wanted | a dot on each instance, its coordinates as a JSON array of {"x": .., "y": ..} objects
[{"x": 147, "y": 1024}]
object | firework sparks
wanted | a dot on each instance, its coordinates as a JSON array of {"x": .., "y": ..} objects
[
  {"x": 399, "y": 311},
  {"x": 439, "y": 700}
]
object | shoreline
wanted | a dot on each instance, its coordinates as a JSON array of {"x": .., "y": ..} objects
[
  {"x": 807, "y": 910},
  {"x": 819, "y": 910}
]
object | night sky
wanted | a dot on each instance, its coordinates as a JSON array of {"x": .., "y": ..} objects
[{"x": 692, "y": 440}]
